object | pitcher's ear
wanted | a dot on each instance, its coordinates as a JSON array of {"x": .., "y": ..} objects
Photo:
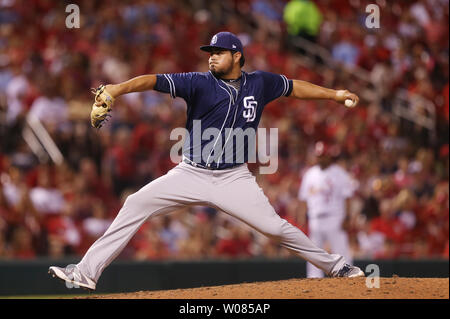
[
  {"x": 238, "y": 55},
  {"x": 242, "y": 61}
]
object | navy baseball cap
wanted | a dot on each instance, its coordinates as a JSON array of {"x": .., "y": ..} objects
[{"x": 224, "y": 40}]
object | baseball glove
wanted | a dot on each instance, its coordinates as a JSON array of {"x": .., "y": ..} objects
[{"x": 99, "y": 113}]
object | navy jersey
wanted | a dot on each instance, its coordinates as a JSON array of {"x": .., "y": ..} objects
[{"x": 221, "y": 120}]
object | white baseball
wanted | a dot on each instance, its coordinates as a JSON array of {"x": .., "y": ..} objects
[{"x": 349, "y": 103}]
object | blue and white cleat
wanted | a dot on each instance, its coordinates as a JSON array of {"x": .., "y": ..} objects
[{"x": 350, "y": 271}]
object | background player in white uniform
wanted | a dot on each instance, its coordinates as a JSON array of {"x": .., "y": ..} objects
[
  {"x": 325, "y": 192},
  {"x": 223, "y": 98}
]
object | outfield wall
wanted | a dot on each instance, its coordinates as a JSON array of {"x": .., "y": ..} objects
[{"x": 31, "y": 277}]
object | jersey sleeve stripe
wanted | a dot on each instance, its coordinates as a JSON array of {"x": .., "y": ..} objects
[
  {"x": 170, "y": 86},
  {"x": 284, "y": 90},
  {"x": 286, "y": 85},
  {"x": 173, "y": 85},
  {"x": 289, "y": 86}
]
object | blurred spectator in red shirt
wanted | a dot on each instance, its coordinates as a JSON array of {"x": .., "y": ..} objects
[
  {"x": 234, "y": 242},
  {"x": 22, "y": 243}
]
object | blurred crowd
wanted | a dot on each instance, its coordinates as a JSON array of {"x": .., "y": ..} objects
[{"x": 401, "y": 208}]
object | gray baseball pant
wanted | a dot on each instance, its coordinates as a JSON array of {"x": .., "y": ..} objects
[
  {"x": 337, "y": 238},
  {"x": 233, "y": 191}
]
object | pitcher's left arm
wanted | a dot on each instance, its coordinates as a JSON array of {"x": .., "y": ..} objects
[{"x": 308, "y": 91}]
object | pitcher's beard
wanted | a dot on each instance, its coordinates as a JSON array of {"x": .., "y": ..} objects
[
  {"x": 217, "y": 74},
  {"x": 220, "y": 74}
]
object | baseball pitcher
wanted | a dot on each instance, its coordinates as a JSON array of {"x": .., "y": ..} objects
[
  {"x": 222, "y": 99},
  {"x": 325, "y": 192}
]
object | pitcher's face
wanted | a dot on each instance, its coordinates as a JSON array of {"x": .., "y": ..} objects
[{"x": 220, "y": 62}]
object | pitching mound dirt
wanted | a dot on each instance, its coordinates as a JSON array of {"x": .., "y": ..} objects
[{"x": 328, "y": 288}]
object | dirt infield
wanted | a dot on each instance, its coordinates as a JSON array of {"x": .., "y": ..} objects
[{"x": 328, "y": 288}]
